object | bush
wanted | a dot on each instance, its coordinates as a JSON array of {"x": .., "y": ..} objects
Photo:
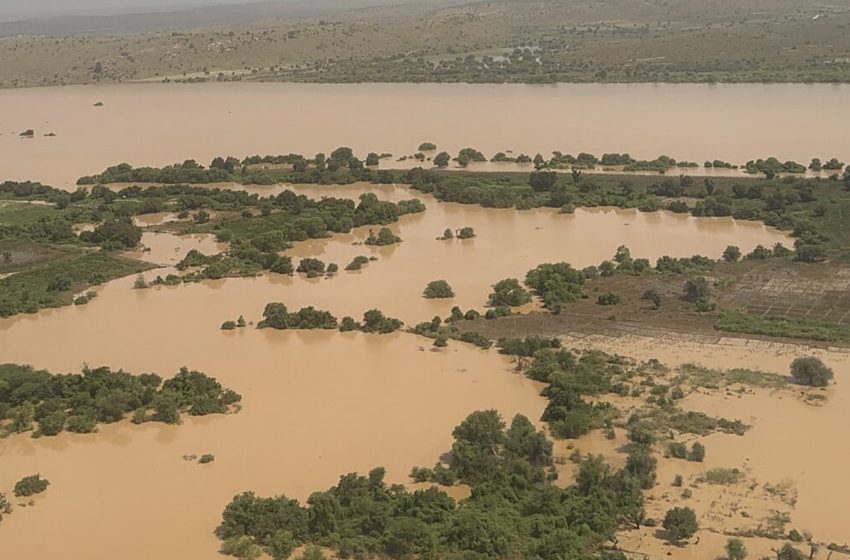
[
  {"x": 206, "y": 458},
  {"x": 731, "y": 254},
  {"x": 678, "y": 450},
  {"x": 228, "y": 325},
  {"x": 31, "y": 485},
  {"x": 788, "y": 552},
  {"x": 810, "y": 371},
  {"x": 357, "y": 263},
  {"x": 384, "y": 237},
  {"x": 681, "y": 523},
  {"x": 438, "y": 289},
  {"x": 311, "y": 267},
  {"x": 697, "y": 452},
  {"x": 608, "y": 298},
  {"x": 678, "y": 481},
  {"x": 735, "y": 549},
  {"x": 697, "y": 288},
  {"x": 556, "y": 284},
  {"x": 653, "y": 297},
  {"x": 466, "y": 233},
  {"x": 348, "y": 324},
  {"x": 374, "y": 321},
  {"x": 509, "y": 292}
]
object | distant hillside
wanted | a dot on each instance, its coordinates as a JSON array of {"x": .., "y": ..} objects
[
  {"x": 519, "y": 41},
  {"x": 225, "y": 12}
]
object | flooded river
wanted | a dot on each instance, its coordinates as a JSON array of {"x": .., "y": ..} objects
[
  {"x": 157, "y": 124},
  {"x": 316, "y": 404}
]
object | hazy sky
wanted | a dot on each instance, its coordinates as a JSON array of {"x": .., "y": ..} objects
[{"x": 16, "y": 9}]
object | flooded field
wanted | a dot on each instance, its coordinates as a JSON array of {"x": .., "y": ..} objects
[
  {"x": 315, "y": 404},
  {"x": 790, "y": 442},
  {"x": 156, "y": 124}
]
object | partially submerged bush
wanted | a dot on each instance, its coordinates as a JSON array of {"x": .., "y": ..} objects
[
  {"x": 31, "y": 485},
  {"x": 811, "y": 371}
]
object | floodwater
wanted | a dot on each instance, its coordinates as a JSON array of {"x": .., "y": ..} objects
[
  {"x": 790, "y": 441},
  {"x": 315, "y": 404},
  {"x": 157, "y": 124}
]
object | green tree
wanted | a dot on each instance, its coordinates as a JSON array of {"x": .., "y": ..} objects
[
  {"x": 731, "y": 254},
  {"x": 31, "y": 485},
  {"x": 466, "y": 233},
  {"x": 52, "y": 424},
  {"x": 438, "y": 289},
  {"x": 166, "y": 410},
  {"x": 442, "y": 160},
  {"x": 788, "y": 552},
  {"x": 697, "y": 452},
  {"x": 697, "y": 288},
  {"x": 509, "y": 292},
  {"x": 477, "y": 447},
  {"x": 811, "y": 371},
  {"x": 735, "y": 549},
  {"x": 681, "y": 523},
  {"x": 281, "y": 545}
]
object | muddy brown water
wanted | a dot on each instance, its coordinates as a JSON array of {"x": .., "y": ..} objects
[
  {"x": 316, "y": 404},
  {"x": 157, "y": 124}
]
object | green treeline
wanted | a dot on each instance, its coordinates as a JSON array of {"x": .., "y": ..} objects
[
  {"x": 277, "y": 316},
  {"x": 811, "y": 209},
  {"x": 515, "y": 509},
  {"x": 341, "y": 167},
  {"x": 50, "y": 403}
]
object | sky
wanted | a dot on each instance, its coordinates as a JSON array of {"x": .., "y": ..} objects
[{"x": 19, "y": 9}]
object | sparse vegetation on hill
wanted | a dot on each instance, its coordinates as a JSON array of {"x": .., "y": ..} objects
[{"x": 504, "y": 41}]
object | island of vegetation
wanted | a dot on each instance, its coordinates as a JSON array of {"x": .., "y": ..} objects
[
  {"x": 47, "y": 404},
  {"x": 277, "y": 316}
]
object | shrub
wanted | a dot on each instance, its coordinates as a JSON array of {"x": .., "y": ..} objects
[
  {"x": 735, "y": 549},
  {"x": 788, "y": 552},
  {"x": 680, "y": 522},
  {"x": 311, "y": 267},
  {"x": 206, "y": 458},
  {"x": 810, "y": 371},
  {"x": 466, "y": 233},
  {"x": 678, "y": 450},
  {"x": 357, "y": 263},
  {"x": 384, "y": 237},
  {"x": 608, "y": 298},
  {"x": 509, "y": 292},
  {"x": 348, "y": 324},
  {"x": 653, "y": 297},
  {"x": 374, "y": 321},
  {"x": 697, "y": 288},
  {"x": 31, "y": 485},
  {"x": 697, "y": 452},
  {"x": 438, "y": 289},
  {"x": 228, "y": 325},
  {"x": 731, "y": 254},
  {"x": 556, "y": 284},
  {"x": 677, "y": 481}
]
